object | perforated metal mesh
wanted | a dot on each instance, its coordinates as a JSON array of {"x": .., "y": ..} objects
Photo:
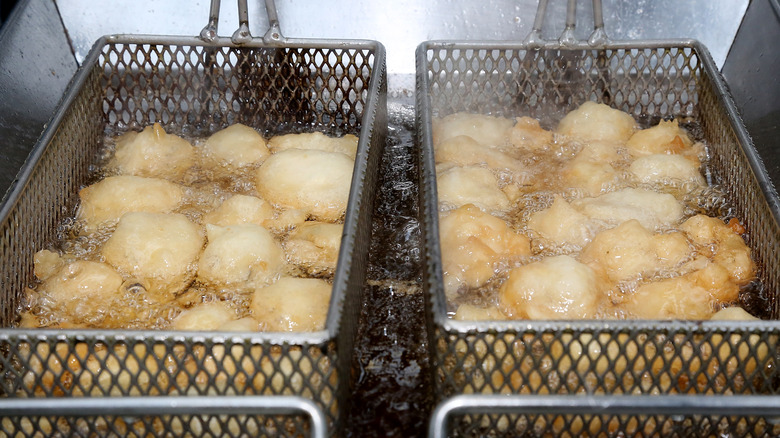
[
  {"x": 197, "y": 88},
  {"x": 664, "y": 416},
  {"x": 630, "y": 359},
  {"x": 616, "y": 357},
  {"x": 645, "y": 82},
  {"x": 164, "y": 425},
  {"x": 45, "y": 366},
  {"x": 337, "y": 87},
  {"x": 163, "y": 416},
  {"x": 577, "y": 425}
]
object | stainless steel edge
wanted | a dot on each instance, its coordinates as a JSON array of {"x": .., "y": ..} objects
[
  {"x": 170, "y": 405},
  {"x": 71, "y": 92},
  {"x": 600, "y": 404},
  {"x": 316, "y": 43},
  {"x": 750, "y": 72},
  {"x": 759, "y": 170},
  {"x": 105, "y": 335},
  {"x": 464, "y": 327},
  {"x": 36, "y": 65},
  {"x": 428, "y": 189},
  {"x": 581, "y": 45},
  {"x": 341, "y": 276}
]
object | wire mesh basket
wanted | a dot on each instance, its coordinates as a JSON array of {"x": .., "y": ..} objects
[
  {"x": 228, "y": 416},
  {"x": 629, "y": 416},
  {"x": 650, "y": 80},
  {"x": 194, "y": 87}
]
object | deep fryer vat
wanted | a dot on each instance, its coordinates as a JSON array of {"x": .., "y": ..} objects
[
  {"x": 651, "y": 81},
  {"x": 193, "y": 88}
]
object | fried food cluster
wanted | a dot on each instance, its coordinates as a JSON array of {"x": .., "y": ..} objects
[
  {"x": 596, "y": 218},
  {"x": 230, "y": 232}
]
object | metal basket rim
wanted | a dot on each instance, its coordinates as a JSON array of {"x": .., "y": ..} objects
[
  {"x": 672, "y": 405},
  {"x": 256, "y": 42},
  {"x": 585, "y": 326},
  {"x": 170, "y": 405},
  {"x": 134, "y": 336},
  {"x": 689, "y": 43}
]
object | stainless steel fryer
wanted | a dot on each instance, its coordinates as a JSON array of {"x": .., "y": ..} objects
[
  {"x": 651, "y": 80},
  {"x": 194, "y": 86}
]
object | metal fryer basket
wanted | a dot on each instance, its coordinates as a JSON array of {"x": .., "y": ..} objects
[
  {"x": 193, "y": 87},
  {"x": 650, "y": 80},
  {"x": 228, "y": 416},
  {"x": 629, "y": 416}
]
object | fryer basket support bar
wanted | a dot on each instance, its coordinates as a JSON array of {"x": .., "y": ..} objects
[
  {"x": 174, "y": 406},
  {"x": 594, "y": 405},
  {"x": 568, "y": 39}
]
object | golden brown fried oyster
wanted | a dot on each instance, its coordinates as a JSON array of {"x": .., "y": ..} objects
[
  {"x": 83, "y": 289},
  {"x": 346, "y": 144},
  {"x": 314, "y": 246},
  {"x": 485, "y": 130},
  {"x": 596, "y": 121},
  {"x": 458, "y": 186},
  {"x": 554, "y": 288},
  {"x": 240, "y": 209}
]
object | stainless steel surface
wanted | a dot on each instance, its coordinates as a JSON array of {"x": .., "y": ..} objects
[
  {"x": 220, "y": 415},
  {"x": 29, "y": 90},
  {"x": 36, "y": 65},
  {"x": 754, "y": 62},
  {"x": 403, "y": 24},
  {"x": 751, "y": 70},
  {"x": 597, "y": 415},
  {"x": 568, "y": 38}
]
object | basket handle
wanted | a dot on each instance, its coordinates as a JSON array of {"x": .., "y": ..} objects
[
  {"x": 596, "y": 39},
  {"x": 242, "y": 35},
  {"x": 274, "y": 33},
  {"x": 209, "y": 33}
]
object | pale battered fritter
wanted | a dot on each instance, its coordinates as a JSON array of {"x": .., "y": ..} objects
[
  {"x": 235, "y": 147},
  {"x": 241, "y": 256},
  {"x": 104, "y": 202},
  {"x": 292, "y": 304},
  {"x": 346, "y": 144},
  {"x": 152, "y": 152},
  {"x": 315, "y": 181},
  {"x": 160, "y": 250}
]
